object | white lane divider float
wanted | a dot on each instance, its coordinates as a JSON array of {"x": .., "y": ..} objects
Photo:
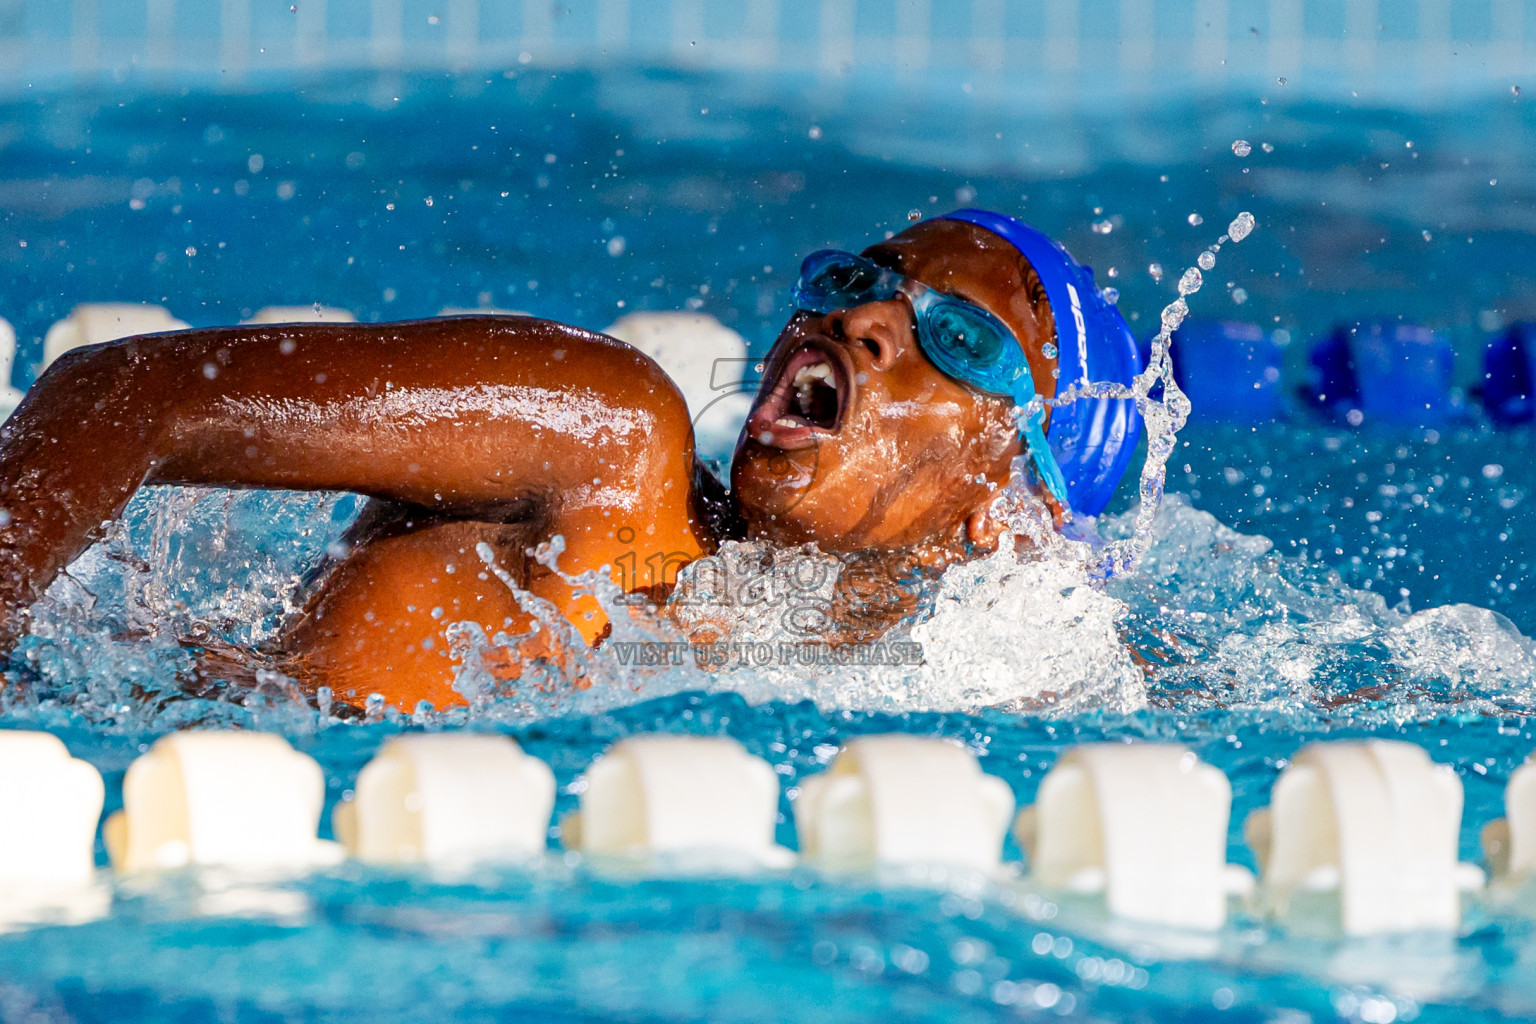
[
  {"x": 92, "y": 323},
  {"x": 1145, "y": 824},
  {"x": 228, "y": 798},
  {"x": 1509, "y": 842},
  {"x": 1363, "y": 837},
  {"x": 481, "y": 311},
  {"x": 688, "y": 796},
  {"x": 10, "y": 396},
  {"x": 315, "y": 314},
  {"x": 448, "y": 798},
  {"x": 50, "y": 804},
  {"x": 903, "y": 800},
  {"x": 1360, "y": 837}
]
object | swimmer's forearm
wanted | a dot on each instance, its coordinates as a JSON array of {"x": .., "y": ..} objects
[
  {"x": 461, "y": 416},
  {"x": 490, "y": 419},
  {"x": 70, "y": 458}
]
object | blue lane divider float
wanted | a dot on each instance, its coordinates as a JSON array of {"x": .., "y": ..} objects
[
  {"x": 1229, "y": 370},
  {"x": 1509, "y": 376},
  {"x": 1388, "y": 373}
]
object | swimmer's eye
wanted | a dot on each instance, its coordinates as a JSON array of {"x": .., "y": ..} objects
[
  {"x": 830, "y": 279},
  {"x": 954, "y": 330},
  {"x": 847, "y": 279}
]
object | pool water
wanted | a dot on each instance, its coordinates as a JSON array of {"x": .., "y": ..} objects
[{"x": 1295, "y": 566}]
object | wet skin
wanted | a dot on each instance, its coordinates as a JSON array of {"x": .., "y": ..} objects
[{"x": 481, "y": 437}]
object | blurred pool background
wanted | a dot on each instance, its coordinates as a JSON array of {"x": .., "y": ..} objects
[{"x": 579, "y": 161}]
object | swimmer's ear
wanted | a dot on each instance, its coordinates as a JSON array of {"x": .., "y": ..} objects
[
  {"x": 982, "y": 529},
  {"x": 1058, "y": 511}
]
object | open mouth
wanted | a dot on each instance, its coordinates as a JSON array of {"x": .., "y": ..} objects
[{"x": 807, "y": 397}]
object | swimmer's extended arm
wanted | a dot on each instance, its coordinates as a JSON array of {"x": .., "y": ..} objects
[{"x": 498, "y": 419}]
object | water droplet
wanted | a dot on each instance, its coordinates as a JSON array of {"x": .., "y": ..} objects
[
  {"x": 1048, "y": 350},
  {"x": 1514, "y": 90},
  {"x": 1111, "y": 295},
  {"x": 815, "y": 131},
  {"x": 1267, "y": 147},
  {"x": 1281, "y": 80},
  {"x": 1239, "y": 295},
  {"x": 1156, "y": 270},
  {"x": 1112, "y": 272},
  {"x": 1174, "y": 314},
  {"x": 1103, "y": 227},
  {"x": 1241, "y": 227},
  {"x": 914, "y": 215},
  {"x": 616, "y": 245},
  {"x": 1427, "y": 236},
  {"x": 1241, "y": 147},
  {"x": 1195, "y": 220},
  {"x": 191, "y": 250},
  {"x": 1207, "y": 260},
  {"x": 1191, "y": 281}
]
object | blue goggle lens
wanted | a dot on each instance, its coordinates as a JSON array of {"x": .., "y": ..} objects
[
  {"x": 964, "y": 341},
  {"x": 969, "y": 344},
  {"x": 830, "y": 280}
]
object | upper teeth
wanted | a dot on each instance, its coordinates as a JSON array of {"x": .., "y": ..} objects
[
  {"x": 806, "y": 378},
  {"x": 814, "y": 371}
]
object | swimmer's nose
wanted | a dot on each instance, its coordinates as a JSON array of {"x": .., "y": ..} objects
[{"x": 861, "y": 326}]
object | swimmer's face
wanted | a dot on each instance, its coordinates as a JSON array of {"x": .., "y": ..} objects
[{"x": 856, "y": 440}]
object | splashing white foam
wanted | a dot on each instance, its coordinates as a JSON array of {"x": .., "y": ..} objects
[
  {"x": 1228, "y": 621},
  {"x": 997, "y": 631},
  {"x": 1239, "y": 626},
  {"x": 1162, "y": 417}
]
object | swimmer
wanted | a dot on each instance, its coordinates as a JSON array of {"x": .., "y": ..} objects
[{"x": 885, "y": 424}]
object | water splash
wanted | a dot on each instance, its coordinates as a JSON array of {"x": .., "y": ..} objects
[
  {"x": 1163, "y": 417},
  {"x": 771, "y": 624},
  {"x": 1219, "y": 619},
  {"x": 112, "y": 640},
  {"x": 1030, "y": 633},
  {"x": 1232, "y": 624}
]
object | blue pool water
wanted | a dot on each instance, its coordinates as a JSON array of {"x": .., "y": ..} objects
[{"x": 1298, "y": 562}]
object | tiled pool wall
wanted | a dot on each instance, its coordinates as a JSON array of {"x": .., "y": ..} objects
[{"x": 1398, "y": 52}]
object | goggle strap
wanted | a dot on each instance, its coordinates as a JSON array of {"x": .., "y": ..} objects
[{"x": 1046, "y": 466}]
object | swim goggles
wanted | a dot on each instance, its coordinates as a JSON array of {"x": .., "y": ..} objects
[{"x": 964, "y": 341}]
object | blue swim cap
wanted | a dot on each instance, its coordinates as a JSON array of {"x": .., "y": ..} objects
[{"x": 1093, "y": 439}]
